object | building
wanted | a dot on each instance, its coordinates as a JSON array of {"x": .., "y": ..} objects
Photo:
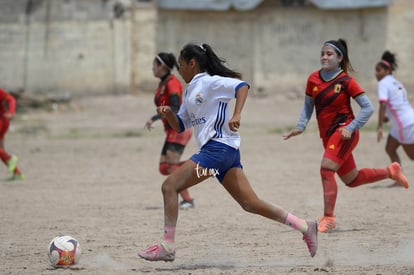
[{"x": 107, "y": 46}]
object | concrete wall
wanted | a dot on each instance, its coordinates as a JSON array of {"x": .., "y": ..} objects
[
  {"x": 277, "y": 47},
  {"x": 64, "y": 47},
  {"x": 400, "y": 37},
  {"x": 82, "y": 47}
]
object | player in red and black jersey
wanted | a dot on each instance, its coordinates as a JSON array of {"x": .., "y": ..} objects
[
  {"x": 7, "y": 109},
  {"x": 169, "y": 93},
  {"x": 329, "y": 91}
]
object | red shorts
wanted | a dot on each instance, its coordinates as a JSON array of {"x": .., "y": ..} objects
[
  {"x": 340, "y": 151},
  {"x": 179, "y": 138},
  {"x": 4, "y": 126}
]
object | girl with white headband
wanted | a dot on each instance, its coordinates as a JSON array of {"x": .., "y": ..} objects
[
  {"x": 169, "y": 92},
  {"x": 329, "y": 90},
  {"x": 394, "y": 107}
]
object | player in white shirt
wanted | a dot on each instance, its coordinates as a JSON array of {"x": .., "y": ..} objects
[
  {"x": 206, "y": 109},
  {"x": 395, "y": 108},
  {"x": 211, "y": 86}
]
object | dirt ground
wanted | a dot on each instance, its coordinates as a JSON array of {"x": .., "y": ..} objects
[{"x": 92, "y": 173}]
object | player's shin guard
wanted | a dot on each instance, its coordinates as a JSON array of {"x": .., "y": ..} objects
[
  {"x": 369, "y": 175},
  {"x": 330, "y": 191}
]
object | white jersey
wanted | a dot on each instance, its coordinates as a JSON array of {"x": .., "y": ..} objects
[
  {"x": 206, "y": 108},
  {"x": 393, "y": 94}
]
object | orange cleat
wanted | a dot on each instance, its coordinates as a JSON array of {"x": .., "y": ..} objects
[
  {"x": 397, "y": 175},
  {"x": 327, "y": 224}
]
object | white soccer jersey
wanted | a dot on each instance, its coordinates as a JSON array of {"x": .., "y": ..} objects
[
  {"x": 206, "y": 108},
  {"x": 393, "y": 94}
]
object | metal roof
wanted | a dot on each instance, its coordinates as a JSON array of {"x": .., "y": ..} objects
[
  {"x": 244, "y": 5},
  {"x": 349, "y": 4},
  {"x": 217, "y": 5}
]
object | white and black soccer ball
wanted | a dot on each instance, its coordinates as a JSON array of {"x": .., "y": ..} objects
[{"x": 64, "y": 251}]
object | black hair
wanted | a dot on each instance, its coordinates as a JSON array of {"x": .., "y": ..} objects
[
  {"x": 343, "y": 51},
  {"x": 207, "y": 60},
  {"x": 169, "y": 60},
  {"x": 390, "y": 61}
]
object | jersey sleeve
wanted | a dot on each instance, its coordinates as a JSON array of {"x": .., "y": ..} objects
[
  {"x": 308, "y": 90},
  {"x": 382, "y": 92},
  {"x": 183, "y": 117},
  {"x": 311, "y": 83},
  {"x": 227, "y": 87},
  {"x": 354, "y": 89},
  {"x": 173, "y": 87}
]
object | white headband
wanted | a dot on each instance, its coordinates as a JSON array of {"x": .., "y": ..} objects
[
  {"x": 335, "y": 47},
  {"x": 162, "y": 62}
]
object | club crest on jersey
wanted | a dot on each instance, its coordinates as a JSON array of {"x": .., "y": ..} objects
[
  {"x": 199, "y": 99},
  {"x": 337, "y": 88},
  {"x": 315, "y": 89}
]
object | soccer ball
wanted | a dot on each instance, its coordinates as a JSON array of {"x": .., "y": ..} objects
[{"x": 64, "y": 251}]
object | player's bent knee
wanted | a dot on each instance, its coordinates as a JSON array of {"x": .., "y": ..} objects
[{"x": 167, "y": 187}]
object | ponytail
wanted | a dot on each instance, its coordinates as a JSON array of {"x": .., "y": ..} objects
[{"x": 207, "y": 60}]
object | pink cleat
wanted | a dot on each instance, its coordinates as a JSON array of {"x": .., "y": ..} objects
[
  {"x": 311, "y": 237},
  {"x": 158, "y": 252}
]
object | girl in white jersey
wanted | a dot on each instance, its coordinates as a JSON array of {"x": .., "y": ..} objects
[
  {"x": 394, "y": 107},
  {"x": 211, "y": 86}
]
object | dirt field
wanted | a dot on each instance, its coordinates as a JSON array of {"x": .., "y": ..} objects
[{"x": 92, "y": 172}]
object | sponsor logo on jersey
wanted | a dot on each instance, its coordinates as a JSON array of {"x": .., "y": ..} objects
[{"x": 197, "y": 120}]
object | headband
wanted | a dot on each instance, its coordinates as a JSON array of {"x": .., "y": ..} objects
[
  {"x": 335, "y": 47},
  {"x": 162, "y": 62},
  {"x": 386, "y": 63},
  {"x": 202, "y": 47}
]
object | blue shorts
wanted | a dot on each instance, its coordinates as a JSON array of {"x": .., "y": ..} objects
[{"x": 215, "y": 159}]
